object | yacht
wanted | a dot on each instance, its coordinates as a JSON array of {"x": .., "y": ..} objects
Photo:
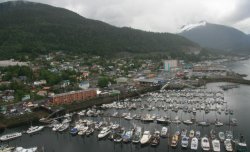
[
  {"x": 34, "y": 129},
  {"x": 216, "y": 145},
  {"x": 6, "y": 148},
  {"x": 174, "y": 141},
  {"x": 164, "y": 132},
  {"x": 184, "y": 142},
  {"x": 21, "y": 149},
  {"x": 205, "y": 144},
  {"x": 155, "y": 139},
  {"x": 10, "y": 136},
  {"x": 228, "y": 145},
  {"x": 137, "y": 135},
  {"x": 145, "y": 137},
  {"x": 104, "y": 132},
  {"x": 194, "y": 143}
]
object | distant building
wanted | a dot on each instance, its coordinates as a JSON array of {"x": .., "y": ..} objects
[
  {"x": 84, "y": 85},
  {"x": 69, "y": 97},
  {"x": 170, "y": 65}
]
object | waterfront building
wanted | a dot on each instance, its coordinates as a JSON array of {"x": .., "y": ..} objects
[{"x": 69, "y": 97}]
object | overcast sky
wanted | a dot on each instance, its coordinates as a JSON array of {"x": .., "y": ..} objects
[{"x": 161, "y": 15}]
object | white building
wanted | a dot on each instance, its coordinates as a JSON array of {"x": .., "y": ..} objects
[{"x": 170, "y": 65}]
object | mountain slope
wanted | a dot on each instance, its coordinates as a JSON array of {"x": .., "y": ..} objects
[
  {"x": 217, "y": 37},
  {"x": 27, "y": 27}
]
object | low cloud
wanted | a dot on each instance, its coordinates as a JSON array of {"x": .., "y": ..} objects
[{"x": 160, "y": 15}]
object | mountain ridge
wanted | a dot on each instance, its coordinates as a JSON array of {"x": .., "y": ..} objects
[
  {"x": 28, "y": 27},
  {"x": 219, "y": 37}
]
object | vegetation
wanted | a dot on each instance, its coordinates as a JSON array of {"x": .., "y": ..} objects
[{"x": 28, "y": 28}]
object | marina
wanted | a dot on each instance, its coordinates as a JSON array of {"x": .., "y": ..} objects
[{"x": 177, "y": 119}]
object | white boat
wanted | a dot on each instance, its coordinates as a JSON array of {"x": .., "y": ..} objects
[
  {"x": 164, "y": 132},
  {"x": 34, "y": 129},
  {"x": 228, "y": 145},
  {"x": 21, "y": 149},
  {"x": 194, "y": 143},
  {"x": 104, "y": 132},
  {"x": 115, "y": 126},
  {"x": 6, "y": 148},
  {"x": 184, "y": 142},
  {"x": 205, "y": 144},
  {"x": 222, "y": 136},
  {"x": 216, "y": 145},
  {"x": 188, "y": 122},
  {"x": 63, "y": 127},
  {"x": 57, "y": 127},
  {"x": 137, "y": 135},
  {"x": 83, "y": 130},
  {"x": 176, "y": 120},
  {"x": 145, "y": 137},
  {"x": 10, "y": 136}
]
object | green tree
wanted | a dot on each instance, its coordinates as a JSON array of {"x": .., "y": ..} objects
[{"x": 103, "y": 82}]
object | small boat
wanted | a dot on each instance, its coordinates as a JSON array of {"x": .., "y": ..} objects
[
  {"x": 145, "y": 137},
  {"x": 184, "y": 132},
  {"x": 228, "y": 145},
  {"x": 188, "y": 122},
  {"x": 118, "y": 136},
  {"x": 184, "y": 142},
  {"x": 82, "y": 130},
  {"x": 191, "y": 134},
  {"x": 198, "y": 134},
  {"x": 21, "y": 149},
  {"x": 233, "y": 122},
  {"x": 57, "y": 127},
  {"x": 241, "y": 145},
  {"x": 164, "y": 132},
  {"x": 161, "y": 120},
  {"x": 229, "y": 135},
  {"x": 6, "y": 148},
  {"x": 128, "y": 117},
  {"x": 115, "y": 126},
  {"x": 10, "y": 136},
  {"x": 74, "y": 131},
  {"x": 155, "y": 138},
  {"x": 64, "y": 127},
  {"x": 174, "y": 141},
  {"x": 34, "y": 129},
  {"x": 194, "y": 143},
  {"x": 203, "y": 123},
  {"x": 216, "y": 145},
  {"x": 176, "y": 120},
  {"x": 127, "y": 137},
  {"x": 221, "y": 136},
  {"x": 212, "y": 134},
  {"x": 205, "y": 144},
  {"x": 104, "y": 132},
  {"x": 89, "y": 131},
  {"x": 137, "y": 135}
]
